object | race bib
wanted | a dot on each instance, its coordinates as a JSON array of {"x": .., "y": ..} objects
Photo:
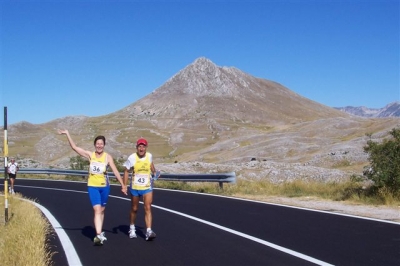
[
  {"x": 97, "y": 168},
  {"x": 141, "y": 180}
]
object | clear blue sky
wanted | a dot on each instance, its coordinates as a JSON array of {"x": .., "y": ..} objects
[{"x": 67, "y": 58}]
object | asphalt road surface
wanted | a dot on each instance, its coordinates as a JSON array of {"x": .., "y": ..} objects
[{"x": 201, "y": 229}]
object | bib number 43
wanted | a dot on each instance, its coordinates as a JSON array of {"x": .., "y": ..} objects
[{"x": 141, "y": 179}]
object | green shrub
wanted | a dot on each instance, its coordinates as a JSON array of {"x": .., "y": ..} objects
[{"x": 384, "y": 168}]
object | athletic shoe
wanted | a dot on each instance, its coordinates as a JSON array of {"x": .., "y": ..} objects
[
  {"x": 150, "y": 235},
  {"x": 12, "y": 191},
  {"x": 103, "y": 237},
  {"x": 99, "y": 239},
  {"x": 132, "y": 233}
]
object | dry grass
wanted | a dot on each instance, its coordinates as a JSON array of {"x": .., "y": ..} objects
[
  {"x": 350, "y": 192},
  {"x": 23, "y": 239}
]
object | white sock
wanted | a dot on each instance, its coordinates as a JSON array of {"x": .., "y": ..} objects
[
  {"x": 148, "y": 229},
  {"x": 132, "y": 227}
]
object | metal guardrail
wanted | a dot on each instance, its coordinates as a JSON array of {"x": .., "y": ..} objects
[{"x": 217, "y": 177}]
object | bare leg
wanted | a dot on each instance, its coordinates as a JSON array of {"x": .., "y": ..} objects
[
  {"x": 134, "y": 209},
  {"x": 98, "y": 218},
  {"x": 148, "y": 200},
  {"x": 12, "y": 183}
]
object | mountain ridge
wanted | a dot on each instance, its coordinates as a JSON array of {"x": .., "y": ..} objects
[
  {"x": 390, "y": 110},
  {"x": 203, "y": 83},
  {"x": 211, "y": 118}
]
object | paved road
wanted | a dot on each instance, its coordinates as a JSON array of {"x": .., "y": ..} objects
[{"x": 197, "y": 229}]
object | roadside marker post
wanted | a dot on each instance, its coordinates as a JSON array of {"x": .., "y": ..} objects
[{"x": 5, "y": 150}]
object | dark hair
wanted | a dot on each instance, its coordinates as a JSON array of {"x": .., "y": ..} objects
[{"x": 99, "y": 137}]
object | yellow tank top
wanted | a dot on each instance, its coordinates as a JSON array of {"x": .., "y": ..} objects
[
  {"x": 98, "y": 171},
  {"x": 141, "y": 178}
]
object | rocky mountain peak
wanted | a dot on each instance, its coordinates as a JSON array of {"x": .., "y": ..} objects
[
  {"x": 202, "y": 89},
  {"x": 204, "y": 78},
  {"x": 203, "y": 63}
]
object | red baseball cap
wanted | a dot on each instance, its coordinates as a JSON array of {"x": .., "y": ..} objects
[{"x": 141, "y": 141}]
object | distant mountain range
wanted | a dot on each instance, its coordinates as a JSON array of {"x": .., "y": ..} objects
[{"x": 390, "y": 110}]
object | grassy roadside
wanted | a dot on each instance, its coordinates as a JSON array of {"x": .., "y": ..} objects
[{"x": 23, "y": 239}]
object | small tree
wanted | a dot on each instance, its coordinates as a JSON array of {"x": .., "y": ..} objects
[
  {"x": 79, "y": 163},
  {"x": 119, "y": 163},
  {"x": 384, "y": 158}
]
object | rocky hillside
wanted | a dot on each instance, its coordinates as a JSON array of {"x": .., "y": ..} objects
[{"x": 208, "y": 118}]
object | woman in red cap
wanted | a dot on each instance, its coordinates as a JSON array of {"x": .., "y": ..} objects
[{"x": 141, "y": 185}]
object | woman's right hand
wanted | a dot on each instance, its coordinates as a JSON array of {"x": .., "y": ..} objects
[{"x": 62, "y": 131}]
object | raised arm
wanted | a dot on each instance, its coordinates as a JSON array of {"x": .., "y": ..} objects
[{"x": 77, "y": 149}]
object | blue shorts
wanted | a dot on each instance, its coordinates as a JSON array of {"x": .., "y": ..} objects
[
  {"x": 99, "y": 195},
  {"x": 138, "y": 193}
]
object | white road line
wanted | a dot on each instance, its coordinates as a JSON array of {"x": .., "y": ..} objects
[
  {"x": 69, "y": 246},
  {"x": 283, "y": 205},
  {"x": 258, "y": 240}
]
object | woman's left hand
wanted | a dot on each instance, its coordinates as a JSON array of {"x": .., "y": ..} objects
[{"x": 124, "y": 189}]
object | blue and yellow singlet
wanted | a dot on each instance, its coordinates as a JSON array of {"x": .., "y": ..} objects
[
  {"x": 98, "y": 171},
  {"x": 141, "y": 179}
]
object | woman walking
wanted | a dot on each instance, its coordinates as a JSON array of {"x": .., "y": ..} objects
[{"x": 98, "y": 182}]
